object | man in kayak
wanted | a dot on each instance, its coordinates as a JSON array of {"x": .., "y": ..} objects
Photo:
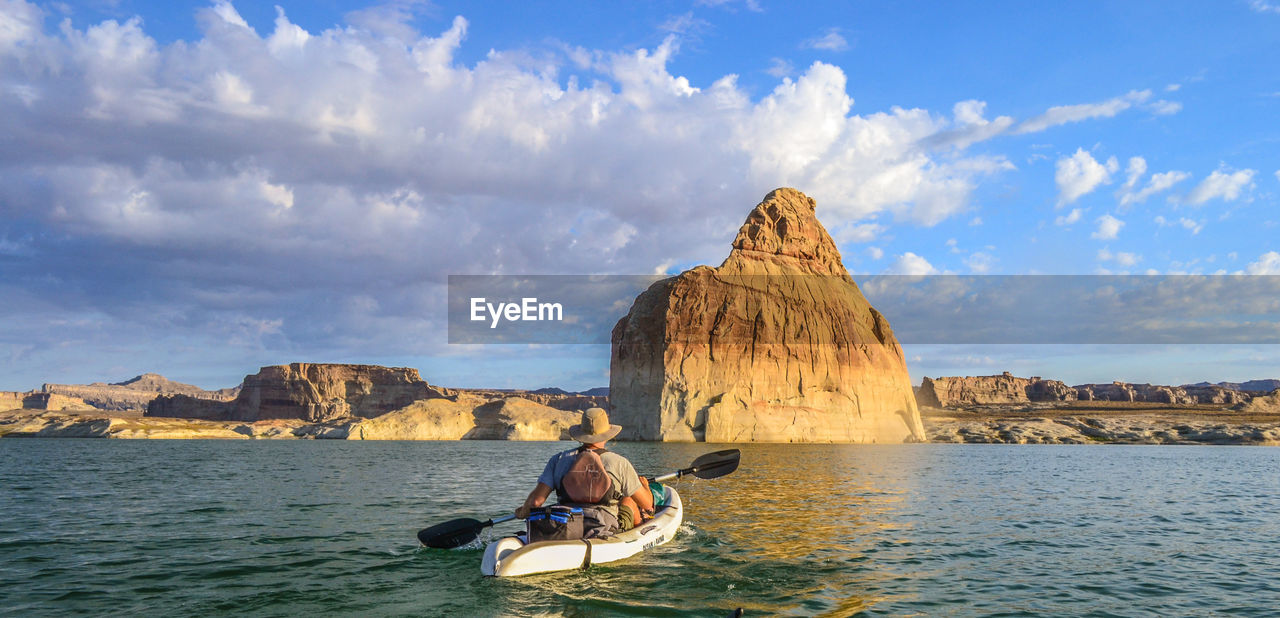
[{"x": 623, "y": 504}]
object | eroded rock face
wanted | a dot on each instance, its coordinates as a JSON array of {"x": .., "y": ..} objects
[
  {"x": 949, "y": 392},
  {"x": 1124, "y": 391},
  {"x": 1262, "y": 404},
  {"x": 10, "y": 400},
  {"x": 775, "y": 345},
  {"x": 136, "y": 393},
  {"x": 308, "y": 391}
]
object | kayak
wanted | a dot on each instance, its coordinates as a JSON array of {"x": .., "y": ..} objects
[{"x": 511, "y": 556}]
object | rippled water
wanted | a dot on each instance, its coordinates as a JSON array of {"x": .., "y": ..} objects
[{"x": 282, "y": 528}]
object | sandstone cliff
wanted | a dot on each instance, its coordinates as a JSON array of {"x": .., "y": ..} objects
[
  {"x": 1155, "y": 393},
  {"x": 136, "y": 393},
  {"x": 10, "y": 400},
  {"x": 946, "y": 392},
  {"x": 1007, "y": 389},
  {"x": 554, "y": 398},
  {"x": 308, "y": 391},
  {"x": 775, "y": 345},
  {"x": 1262, "y": 404}
]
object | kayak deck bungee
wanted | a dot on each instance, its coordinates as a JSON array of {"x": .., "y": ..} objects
[{"x": 511, "y": 556}]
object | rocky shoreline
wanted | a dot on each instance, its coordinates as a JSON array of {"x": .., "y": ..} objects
[{"x": 520, "y": 419}]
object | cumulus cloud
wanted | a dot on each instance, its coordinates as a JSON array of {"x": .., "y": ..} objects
[
  {"x": 1190, "y": 225},
  {"x": 1069, "y": 218},
  {"x": 980, "y": 262},
  {"x": 1267, "y": 264},
  {"x": 829, "y": 40},
  {"x": 1129, "y": 194},
  {"x": 1222, "y": 184},
  {"x": 1108, "y": 228},
  {"x": 1121, "y": 258},
  {"x": 1065, "y": 114},
  {"x": 875, "y": 253},
  {"x": 910, "y": 264},
  {"x": 246, "y": 185},
  {"x": 1080, "y": 174},
  {"x": 780, "y": 68}
]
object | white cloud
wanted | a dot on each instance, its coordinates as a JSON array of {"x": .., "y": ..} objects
[
  {"x": 1064, "y": 114},
  {"x": 970, "y": 126},
  {"x": 1267, "y": 264},
  {"x": 910, "y": 264},
  {"x": 1080, "y": 174},
  {"x": 1069, "y": 218},
  {"x": 1277, "y": 174},
  {"x": 1121, "y": 258},
  {"x": 1173, "y": 87},
  {"x": 875, "y": 253},
  {"x": 683, "y": 24},
  {"x": 976, "y": 221},
  {"x": 1190, "y": 225},
  {"x": 1108, "y": 228},
  {"x": 830, "y": 40},
  {"x": 751, "y": 5},
  {"x": 854, "y": 233},
  {"x": 1222, "y": 184},
  {"x": 1165, "y": 108},
  {"x": 1157, "y": 184},
  {"x": 780, "y": 68},
  {"x": 1262, "y": 6},
  {"x": 1134, "y": 171},
  {"x": 980, "y": 262}
]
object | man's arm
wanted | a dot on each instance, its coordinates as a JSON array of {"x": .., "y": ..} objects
[{"x": 536, "y": 498}]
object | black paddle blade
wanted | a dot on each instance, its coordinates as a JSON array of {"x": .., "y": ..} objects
[
  {"x": 717, "y": 464},
  {"x": 451, "y": 534}
]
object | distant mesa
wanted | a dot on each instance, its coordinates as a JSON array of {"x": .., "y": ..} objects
[
  {"x": 777, "y": 344},
  {"x": 134, "y": 394},
  {"x": 314, "y": 392},
  {"x": 1251, "y": 386},
  {"x": 1007, "y": 389}
]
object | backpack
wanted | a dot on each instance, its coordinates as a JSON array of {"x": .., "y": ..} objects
[{"x": 586, "y": 482}]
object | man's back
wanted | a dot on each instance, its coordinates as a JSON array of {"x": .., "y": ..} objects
[{"x": 621, "y": 472}]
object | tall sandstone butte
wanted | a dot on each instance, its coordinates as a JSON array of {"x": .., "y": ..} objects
[{"x": 775, "y": 345}]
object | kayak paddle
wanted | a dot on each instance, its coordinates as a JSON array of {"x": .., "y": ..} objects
[
  {"x": 459, "y": 532},
  {"x": 709, "y": 466}
]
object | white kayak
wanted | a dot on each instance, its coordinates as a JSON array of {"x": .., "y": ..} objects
[{"x": 511, "y": 556}]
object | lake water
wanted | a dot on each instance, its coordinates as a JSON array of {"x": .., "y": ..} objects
[{"x": 286, "y": 528}]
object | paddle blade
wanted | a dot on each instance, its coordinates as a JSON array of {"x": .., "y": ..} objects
[
  {"x": 717, "y": 464},
  {"x": 451, "y": 534}
]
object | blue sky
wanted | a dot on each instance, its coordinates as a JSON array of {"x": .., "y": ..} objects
[{"x": 202, "y": 188}]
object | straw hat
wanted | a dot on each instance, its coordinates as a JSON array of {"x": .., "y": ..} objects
[{"x": 595, "y": 427}]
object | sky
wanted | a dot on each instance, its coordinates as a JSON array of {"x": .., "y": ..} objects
[{"x": 202, "y": 188}]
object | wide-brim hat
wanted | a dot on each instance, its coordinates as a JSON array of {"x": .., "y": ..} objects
[{"x": 594, "y": 428}]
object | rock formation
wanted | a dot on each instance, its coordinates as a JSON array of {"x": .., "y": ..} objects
[
  {"x": 775, "y": 345},
  {"x": 554, "y": 398},
  {"x": 134, "y": 394},
  {"x": 308, "y": 391},
  {"x": 41, "y": 401},
  {"x": 1005, "y": 388},
  {"x": 1262, "y": 404},
  {"x": 1124, "y": 391}
]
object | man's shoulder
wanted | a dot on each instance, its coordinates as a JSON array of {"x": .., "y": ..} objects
[{"x": 617, "y": 460}]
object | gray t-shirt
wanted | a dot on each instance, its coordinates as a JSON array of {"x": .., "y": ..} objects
[{"x": 624, "y": 477}]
